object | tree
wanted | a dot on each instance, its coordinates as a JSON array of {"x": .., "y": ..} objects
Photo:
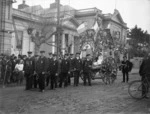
[
  {"x": 40, "y": 36},
  {"x": 139, "y": 42}
]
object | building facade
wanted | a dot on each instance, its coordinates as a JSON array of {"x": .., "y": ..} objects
[{"x": 15, "y": 23}]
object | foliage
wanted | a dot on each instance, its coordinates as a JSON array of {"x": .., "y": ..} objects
[
  {"x": 140, "y": 41},
  {"x": 101, "y": 40}
]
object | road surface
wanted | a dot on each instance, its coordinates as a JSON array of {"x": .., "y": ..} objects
[{"x": 97, "y": 99}]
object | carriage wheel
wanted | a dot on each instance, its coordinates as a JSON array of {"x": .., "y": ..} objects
[
  {"x": 105, "y": 78},
  {"x": 110, "y": 63}
]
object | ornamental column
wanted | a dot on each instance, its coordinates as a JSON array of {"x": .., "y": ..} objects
[
  {"x": 53, "y": 44},
  {"x": 71, "y": 42},
  {"x": 63, "y": 44}
]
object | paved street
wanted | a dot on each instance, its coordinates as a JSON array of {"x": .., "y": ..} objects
[{"x": 98, "y": 99}]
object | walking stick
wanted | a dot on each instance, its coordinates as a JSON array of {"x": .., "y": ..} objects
[{"x": 4, "y": 77}]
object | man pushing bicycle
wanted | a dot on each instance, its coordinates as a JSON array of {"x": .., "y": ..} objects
[{"x": 144, "y": 72}]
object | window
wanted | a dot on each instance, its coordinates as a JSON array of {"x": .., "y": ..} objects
[
  {"x": 19, "y": 40},
  {"x": 116, "y": 34}
]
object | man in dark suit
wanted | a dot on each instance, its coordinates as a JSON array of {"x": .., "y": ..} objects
[
  {"x": 87, "y": 64},
  {"x": 29, "y": 70},
  {"x": 145, "y": 72},
  {"x": 53, "y": 72},
  {"x": 8, "y": 70},
  {"x": 71, "y": 68},
  {"x": 64, "y": 71},
  {"x": 35, "y": 73},
  {"x": 125, "y": 69},
  {"x": 50, "y": 63},
  {"x": 41, "y": 68},
  {"x": 77, "y": 68}
]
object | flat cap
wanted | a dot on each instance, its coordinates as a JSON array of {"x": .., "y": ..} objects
[
  {"x": 54, "y": 55},
  {"x": 87, "y": 54},
  {"x": 78, "y": 53},
  {"x": 29, "y": 52},
  {"x": 66, "y": 54},
  {"x": 50, "y": 53},
  {"x": 36, "y": 55},
  {"x": 42, "y": 51}
]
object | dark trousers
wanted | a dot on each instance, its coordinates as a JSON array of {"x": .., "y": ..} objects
[
  {"x": 53, "y": 81},
  {"x": 145, "y": 86},
  {"x": 7, "y": 77},
  {"x": 41, "y": 81},
  {"x": 29, "y": 81},
  {"x": 47, "y": 80},
  {"x": 76, "y": 78},
  {"x": 63, "y": 79},
  {"x": 87, "y": 77},
  {"x": 69, "y": 78},
  {"x": 35, "y": 81},
  {"x": 125, "y": 76}
]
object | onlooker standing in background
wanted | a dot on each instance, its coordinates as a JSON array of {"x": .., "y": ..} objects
[
  {"x": 19, "y": 70},
  {"x": 125, "y": 69}
]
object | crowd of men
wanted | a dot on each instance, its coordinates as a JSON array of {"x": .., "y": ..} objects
[{"x": 40, "y": 71}]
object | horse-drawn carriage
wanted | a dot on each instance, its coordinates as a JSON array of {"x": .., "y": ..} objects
[{"x": 107, "y": 71}]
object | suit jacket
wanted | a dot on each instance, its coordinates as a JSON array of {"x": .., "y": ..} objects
[
  {"x": 72, "y": 62},
  {"x": 125, "y": 66},
  {"x": 145, "y": 67},
  {"x": 29, "y": 66},
  {"x": 86, "y": 65},
  {"x": 65, "y": 64},
  {"x": 42, "y": 65},
  {"x": 50, "y": 64},
  {"x": 9, "y": 65},
  {"x": 78, "y": 64},
  {"x": 54, "y": 67}
]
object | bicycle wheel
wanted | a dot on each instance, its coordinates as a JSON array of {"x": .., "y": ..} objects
[{"x": 135, "y": 89}]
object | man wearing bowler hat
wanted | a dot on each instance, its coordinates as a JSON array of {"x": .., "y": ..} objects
[
  {"x": 29, "y": 70},
  {"x": 41, "y": 69}
]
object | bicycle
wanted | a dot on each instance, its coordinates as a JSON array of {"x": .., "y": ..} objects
[{"x": 135, "y": 88}]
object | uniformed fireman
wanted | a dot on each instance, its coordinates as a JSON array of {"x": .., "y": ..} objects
[
  {"x": 87, "y": 64},
  {"x": 53, "y": 72},
  {"x": 29, "y": 70},
  {"x": 64, "y": 71},
  {"x": 41, "y": 69},
  {"x": 49, "y": 62},
  {"x": 36, "y": 78},
  {"x": 77, "y": 68},
  {"x": 71, "y": 68}
]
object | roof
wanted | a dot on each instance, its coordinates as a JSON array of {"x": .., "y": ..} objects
[
  {"x": 112, "y": 17},
  {"x": 33, "y": 9}
]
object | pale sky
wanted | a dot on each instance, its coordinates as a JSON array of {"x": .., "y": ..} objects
[{"x": 133, "y": 12}]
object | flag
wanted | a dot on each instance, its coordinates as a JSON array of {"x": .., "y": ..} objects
[
  {"x": 82, "y": 27},
  {"x": 95, "y": 27}
]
